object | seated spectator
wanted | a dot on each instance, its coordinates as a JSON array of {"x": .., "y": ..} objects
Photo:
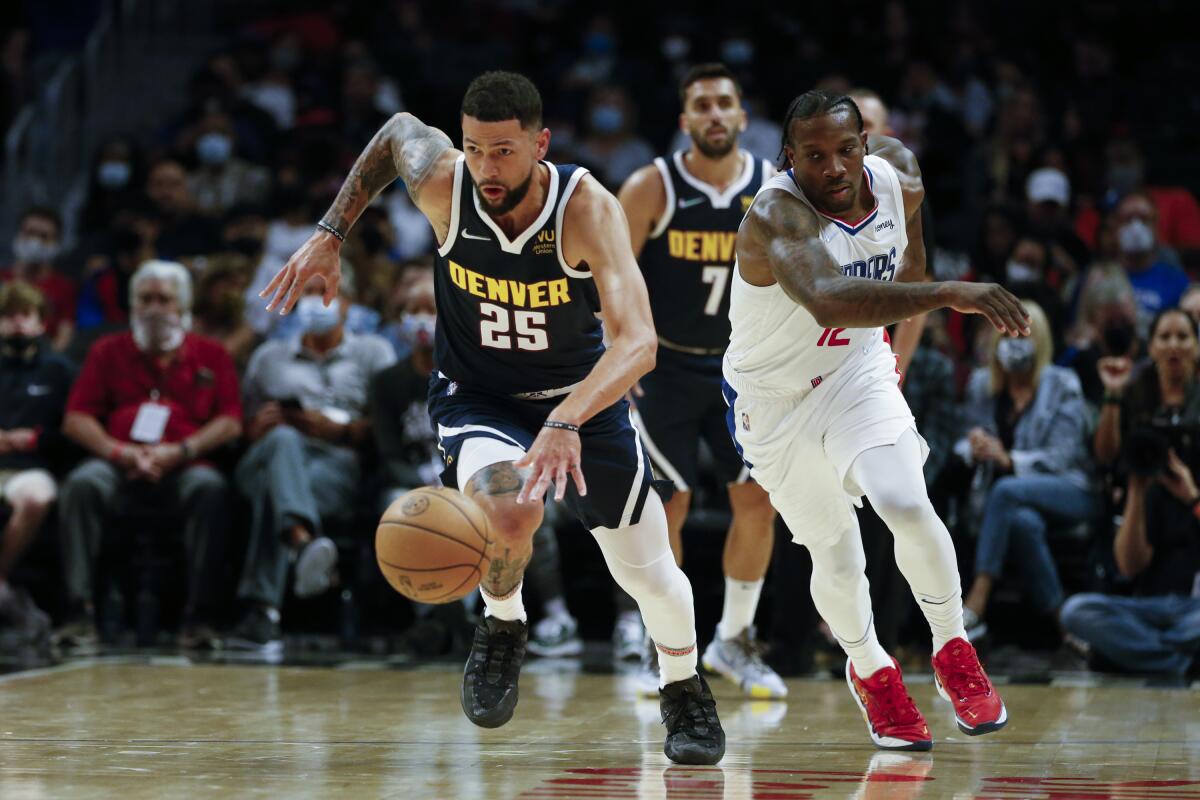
[
  {"x": 149, "y": 404},
  {"x": 34, "y": 381},
  {"x": 613, "y": 149},
  {"x": 359, "y": 319},
  {"x": 1030, "y": 272},
  {"x": 1107, "y": 329},
  {"x": 1157, "y": 546},
  {"x": 115, "y": 184},
  {"x": 221, "y": 180},
  {"x": 182, "y": 232},
  {"x": 1157, "y": 284},
  {"x": 1048, "y": 196},
  {"x": 1166, "y": 389},
  {"x": 37, "y": 244},
  {"x": 221, "y": 305},
  {"x": 1026, "y": 426},
  {"x": 306, "y": 406}
]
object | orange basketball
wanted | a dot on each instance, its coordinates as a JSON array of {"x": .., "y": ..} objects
[{"x": 432, "y": 545}]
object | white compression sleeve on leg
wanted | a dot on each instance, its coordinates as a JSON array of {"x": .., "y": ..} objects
[
  {"x": 893, "y": 481},
  {"x": 640, "y": 559}
]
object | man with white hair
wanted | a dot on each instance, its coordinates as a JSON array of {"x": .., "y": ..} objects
[{"x": 149, "y": 405}]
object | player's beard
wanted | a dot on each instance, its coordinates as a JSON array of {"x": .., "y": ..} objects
[
  {"x": 714, "y": 151},
  {"x": 512, "y": 197}
]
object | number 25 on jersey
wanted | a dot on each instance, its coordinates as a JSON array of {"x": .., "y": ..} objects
[{"x": 500, "y": 328}]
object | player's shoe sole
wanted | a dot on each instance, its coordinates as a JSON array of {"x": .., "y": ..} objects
[{"x": 884, "y": 742}]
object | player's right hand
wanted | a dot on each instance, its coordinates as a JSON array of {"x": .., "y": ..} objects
[
  {"x": 993, "y": 301},
  {"x": 319, "y": 256}
]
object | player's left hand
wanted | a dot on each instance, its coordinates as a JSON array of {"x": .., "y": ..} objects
[{"x": 555, "y": 454}]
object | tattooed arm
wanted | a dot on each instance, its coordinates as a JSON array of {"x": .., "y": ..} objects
[
  {"x": 406, "y": 148},
  {"x": 780, "y": 242}
]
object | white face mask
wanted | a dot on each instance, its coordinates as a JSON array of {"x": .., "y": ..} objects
[
  {"x": 32, "y": 250},
  {"x": 214, "y": 148},
  {"x": 1135, "y": 237},
  {"x": 1019, "y": 272},
  {"x": 155, "y": 332},
  {"x": 315, "y": 316}
]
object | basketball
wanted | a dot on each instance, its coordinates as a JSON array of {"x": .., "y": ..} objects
[{"x": 432, "y": 545}]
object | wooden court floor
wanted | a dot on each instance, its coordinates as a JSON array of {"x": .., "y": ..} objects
[{"x": 144, "y": 729}]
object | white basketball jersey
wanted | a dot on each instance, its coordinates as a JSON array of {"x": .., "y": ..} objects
[{"x": 776, "y": 347}]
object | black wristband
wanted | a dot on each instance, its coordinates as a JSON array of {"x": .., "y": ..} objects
[
  {"x": 564, "y": 426},
  {"x": 325, "y": 226}
]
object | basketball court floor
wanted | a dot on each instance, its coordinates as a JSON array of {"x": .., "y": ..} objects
[{"x": 145, "y": 727}]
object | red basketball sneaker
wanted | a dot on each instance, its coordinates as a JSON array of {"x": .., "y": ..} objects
[
  {"x": 892, "y": 717},
  {"x": 960, "y": 679}
]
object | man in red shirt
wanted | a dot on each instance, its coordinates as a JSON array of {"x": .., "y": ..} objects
[
  {"x": 37, "y": 243},
  {"x": 148, "y": 405}
]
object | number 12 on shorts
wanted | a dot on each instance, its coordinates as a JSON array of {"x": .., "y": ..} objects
[{"x": 831, "y": 337}]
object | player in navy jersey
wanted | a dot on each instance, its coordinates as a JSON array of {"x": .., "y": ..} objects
[
  {"x": 684, "y": 211},
  {"x": 526, "y": 394}
]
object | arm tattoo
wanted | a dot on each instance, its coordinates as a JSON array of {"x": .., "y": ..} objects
[
  {"x": 497, "y": 480},
  {"x": 403, "y": 148}
]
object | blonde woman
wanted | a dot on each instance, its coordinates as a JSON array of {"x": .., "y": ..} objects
[{"x": 1026, "y": 432}]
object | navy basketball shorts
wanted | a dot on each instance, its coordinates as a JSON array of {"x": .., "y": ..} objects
[
  {"x": 477, "y": 428},
  {"x": 681, "y": 405}
]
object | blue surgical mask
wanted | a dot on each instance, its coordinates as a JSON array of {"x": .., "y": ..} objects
[
  {"x": 31, "y": 250},
  {"x": 315, "y": 316},
  {"x": 113, "y": 174},
  {"x": 417, "y": 329},
  {"x": 214, "y": 148},
  {"x": 607, "y": 119},
  {"x": 1016, "y": 355},
  {"x": 1135, "y": 236}
]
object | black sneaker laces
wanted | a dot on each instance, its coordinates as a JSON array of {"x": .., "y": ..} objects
[{"x": 693, "y": 708}]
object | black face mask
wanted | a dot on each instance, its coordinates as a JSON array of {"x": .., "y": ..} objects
[
  {"x": 1119, "y": 336},
  {"x": 17, "y": 346}
]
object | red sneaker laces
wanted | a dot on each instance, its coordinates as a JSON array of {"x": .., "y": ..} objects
[
  {"x": 893, "y": 700},
  {"x": 962, "y": 674}
]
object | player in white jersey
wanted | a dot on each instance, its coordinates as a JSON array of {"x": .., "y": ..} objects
[{"x": 828, "y": 253}]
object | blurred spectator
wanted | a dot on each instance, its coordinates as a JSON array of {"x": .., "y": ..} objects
[
  {"x": 37, "y": 244},
  {"x": 1158, "y": 548},
  {"x": 411, "y": 273},
  {"x": 612, "y": 148},
  {"x": 359, "y": 319},
  {"x": 221, "y": 303},
  {"x": 369, "y": 249},
  {"x": 34, "y": 381},
  {"x": 1030, "y": 273},
  {"x": 1048, "y": 196},
  {"x": 307, "y": 417},
  {"x": 998, "y": 168},
  {"x": 149, "y": 404},
  {"x": 221, "y": 179},
  {"x": 1190, "y": 302},
  {"x": 293, "y": 219},
  {"x": 876, "y": 119},
  {"x": 114, "y": 184},
  {"x": 1108, "y": 330},
  {"x": 104, "y": 295},
  {"x": 182, "y": 233},
  {"x": 1164, "y": 391},
  {"x": 1157, "y": 284},
  {"x": 1026, "y": 426},
  {"x": 413, "y": 233}
]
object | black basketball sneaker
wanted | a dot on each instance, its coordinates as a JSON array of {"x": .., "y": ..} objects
[
  {"x": 694, "y": 734},
  {"x": 489, "y": 690}
]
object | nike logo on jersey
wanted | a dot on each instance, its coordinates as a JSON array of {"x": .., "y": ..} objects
[
  {"x": 695, "y": 201},
  {"x": 467, "y": 235}
]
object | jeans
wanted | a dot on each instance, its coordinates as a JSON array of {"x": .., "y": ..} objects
[
  {"x": 1140, "y": 634},
  {"x": 289, "y": 479},
  {"x": 1015, "y": 521}
]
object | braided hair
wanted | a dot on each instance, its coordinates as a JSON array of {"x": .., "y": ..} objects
[{"x": 815, "y": 103}]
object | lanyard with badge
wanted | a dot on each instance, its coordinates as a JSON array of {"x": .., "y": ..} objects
[{"x": 151, "y": 421}]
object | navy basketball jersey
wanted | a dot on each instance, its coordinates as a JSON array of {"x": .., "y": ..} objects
[
  {"x": 689, "y": 255},
  {"x": 513, "y": 317}
]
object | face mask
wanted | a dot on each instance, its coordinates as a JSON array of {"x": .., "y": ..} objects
[
  {"x": 1135, "y": 237},
  {"x": 34, "y": 251},
  {"x": 113, "y": 174},
  {"x": 214, "y": 148},
  {"x": 737, "y": 51},
  {"x": 315, "y": 316},
  {"x": 1118, "y": 336},
  {"x": 1017, "y": 272},
  {"x": 607, "y": 119},
  {"x": 156, "y": 332},
  {"x": 1016, "y": 355},
  {"x": 18, "y": 346},
  {"x": 417, "y": 329}
]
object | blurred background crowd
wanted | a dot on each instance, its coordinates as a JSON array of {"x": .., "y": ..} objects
[{"x": 1057, "y": 154}]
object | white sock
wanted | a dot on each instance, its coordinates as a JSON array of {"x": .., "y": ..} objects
[
  {"x": 508, "y": 608},
  {"x": 741, "y": 601},
  {"x": 556, "y": 608}
]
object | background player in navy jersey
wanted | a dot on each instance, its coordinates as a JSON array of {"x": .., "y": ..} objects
[
  {"x": 684, "y": 212},
  {"x": 526, "y": 395}
]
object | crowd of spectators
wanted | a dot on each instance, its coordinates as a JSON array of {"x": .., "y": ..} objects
[{"x": 137, "y": 360}]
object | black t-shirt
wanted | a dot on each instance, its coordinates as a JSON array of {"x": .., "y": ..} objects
[
  {"x": 33, "y": 394},
  {"x": 1174, "y": 533},
  {"x": 400, "y": 420}
]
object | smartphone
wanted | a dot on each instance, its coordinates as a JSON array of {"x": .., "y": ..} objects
[{"x": 290, "y": 404}]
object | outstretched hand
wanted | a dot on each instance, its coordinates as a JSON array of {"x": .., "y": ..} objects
[
  {"x": 993, "y": 301},
  {"x": 318, "y": 257},
  {"x": 555, "y": 454}
]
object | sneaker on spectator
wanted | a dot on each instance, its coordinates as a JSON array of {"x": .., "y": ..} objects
[
  {"x": 78, "y": 633},
  {"x": 198, "y": 637},
  {"x": 258, "y": 632},
  {"x": 893, "y": 720},
  {"x": 628, "y": 634},
  {"x": 960, "y": 678},
  {"x": 315, "y": 567},
  {"x": 740, "y": 660},
  {"x": 556, "y": 636},
  {"x": 975, "y": 626},
  {"x": 647, "y": 675},
  {"x": 29, "y": 621}
]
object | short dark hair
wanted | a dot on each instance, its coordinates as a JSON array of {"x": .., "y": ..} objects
[
  {"x": 45, "y": 212},
  {"x": 817, "y": 103},
  {"x": 701, "y": 72},
  {"x": 498, "y": 96}
]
